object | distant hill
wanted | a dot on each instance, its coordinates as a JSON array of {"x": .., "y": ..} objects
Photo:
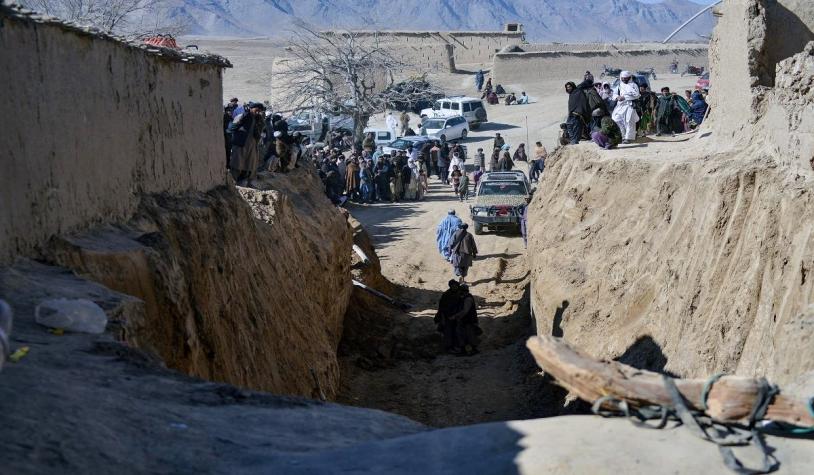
[{"x": 544, "y": 20}]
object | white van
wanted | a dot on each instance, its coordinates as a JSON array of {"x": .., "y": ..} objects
[
  {"x": 381, "y": 136},
  {"x": 471, "y": 108}
]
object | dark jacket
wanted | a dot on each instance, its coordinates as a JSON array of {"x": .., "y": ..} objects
[
  {"x": 240, "y": 128},
  {"x": 698, "y": 108},
  {"x": 578, "y": 103}
]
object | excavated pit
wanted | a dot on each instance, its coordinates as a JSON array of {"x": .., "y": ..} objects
[{"x": 392, "y": 359}]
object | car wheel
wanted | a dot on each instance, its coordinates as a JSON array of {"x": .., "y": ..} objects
[
  {"x": 480, "y": 114},
  {"x": 478, "y": 228},
  {"x": 464, "y": 133}
]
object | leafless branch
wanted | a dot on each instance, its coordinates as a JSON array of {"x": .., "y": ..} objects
[
  {"x": 343, "y": 72},
  {"x": 132, "y": 18}
]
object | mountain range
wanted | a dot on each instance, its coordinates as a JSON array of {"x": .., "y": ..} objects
[{"x": 543, "y": 20}]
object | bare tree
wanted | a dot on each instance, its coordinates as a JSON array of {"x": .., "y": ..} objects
[
  {"x": 123, "y": 17},
  {"x": 345, "y": 72}
]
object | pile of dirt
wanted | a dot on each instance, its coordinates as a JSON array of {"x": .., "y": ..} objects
[{"x": 253, "y": 295}]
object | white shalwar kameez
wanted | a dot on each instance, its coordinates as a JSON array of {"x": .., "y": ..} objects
[
  {"x": 625, "y": 114},
  {"x": 392, "y": 124}
]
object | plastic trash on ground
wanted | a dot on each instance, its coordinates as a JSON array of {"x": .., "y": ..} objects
[
  {"x": 5, "y": 331},
  {"x": 79, "y": 315}
]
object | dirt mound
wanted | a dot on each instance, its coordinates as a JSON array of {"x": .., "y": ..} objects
[
  {"x": 692, "y": 266},
  {"x": 251, "y": 295}
]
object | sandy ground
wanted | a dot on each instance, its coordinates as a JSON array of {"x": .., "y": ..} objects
[{"x": 250, "y": 77}]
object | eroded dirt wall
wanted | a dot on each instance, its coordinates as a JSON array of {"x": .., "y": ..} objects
[
  {"x": 693, "y": 266},
  {"x": 253, "y": 295},
  {"x": 759, "y": 52},
  {"x": 92, "y": 122}
]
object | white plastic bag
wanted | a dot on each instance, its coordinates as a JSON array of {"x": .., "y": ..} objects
[{"x": 71, "y": 315}]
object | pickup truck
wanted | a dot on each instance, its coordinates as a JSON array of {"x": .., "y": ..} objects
[{"x": 499, "y": 201}]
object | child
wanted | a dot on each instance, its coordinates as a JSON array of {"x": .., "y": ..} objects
[
  {"x": 455, "y": 175},
  {"x": 476, "y": 176}
]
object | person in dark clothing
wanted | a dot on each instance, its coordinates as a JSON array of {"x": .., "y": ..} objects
[
  {"x": 426, "y": 152},
  {"x": 597, "y": 105},
  {"x": 668, "y": 115},
  {"x": 443, "y": 163},
  {"x": 479, "y": 80},
  {"x": 505, "y": 164},
  {"x": 448, "y": 305},
  {"x": 278, "y": 124},
  {"x": 465, "y": 321},
  {"x": 698, "y": 109},
  {"x": 406, "y": 177},
  {"x": 579, "y": 112},
  {"x": 464, "y": 251},
  {"x": 499, "y": 142}
]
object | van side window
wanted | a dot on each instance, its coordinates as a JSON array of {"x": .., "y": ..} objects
[
  {"x": 445, "y": 105},
  {"x": 467, "y": 107},
  {"x": 456, "y": 106},
  {"x": 383, "y": 136}
]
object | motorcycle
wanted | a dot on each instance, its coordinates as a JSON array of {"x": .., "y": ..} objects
[
  {"x": 651, "y": 73},
  {"x": 674, "y": 67},
  {"x": 693, "y": 70},
  {"x": 612, "y": 72}
]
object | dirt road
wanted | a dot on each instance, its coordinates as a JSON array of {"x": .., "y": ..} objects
[{"x": 499, "y": 383}]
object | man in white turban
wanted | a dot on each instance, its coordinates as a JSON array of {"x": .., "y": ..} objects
[{"x": 625, "y": 114}]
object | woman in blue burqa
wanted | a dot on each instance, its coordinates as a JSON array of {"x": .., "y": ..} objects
[{"x": 443, "y": 234}]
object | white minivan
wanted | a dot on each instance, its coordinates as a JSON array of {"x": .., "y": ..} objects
[
  {"x": 470, "y": 108},
  {"x": 452, "y": 128}
]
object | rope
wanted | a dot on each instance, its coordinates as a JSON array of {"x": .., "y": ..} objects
[
  {"x": 724, "y": 436},
  {"x": 707, "y": 388}
]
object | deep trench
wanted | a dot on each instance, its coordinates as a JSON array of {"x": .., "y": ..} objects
[{"x": 393, "y": 360}]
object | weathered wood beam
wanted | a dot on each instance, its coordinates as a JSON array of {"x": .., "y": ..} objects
[{"x": 730, "y": 399}]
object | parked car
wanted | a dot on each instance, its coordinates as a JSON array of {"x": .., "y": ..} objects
[
  {"x": 703, "y": 82},
  {"x": 402, "y": 143},
  {"x": 381, "y": 136},
  {"x": 499, "y": 201},
  {"x": 452, "y": 128},
  {"x": 470, "y": 108}
]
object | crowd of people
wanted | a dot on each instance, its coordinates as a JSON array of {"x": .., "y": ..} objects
[
  {"x": 257, "y": 139},
  {"x": 609, "y": 116}
]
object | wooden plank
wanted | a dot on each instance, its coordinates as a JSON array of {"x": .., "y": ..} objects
[{"x": 730, "y": 399}]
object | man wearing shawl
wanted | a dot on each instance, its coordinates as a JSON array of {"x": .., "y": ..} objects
[
  {"x": 625, "y": 114},
  {"x": 579, "y": 112},
  {"x": 444, "y": 232},
  {"x": 464, "y": 251}
]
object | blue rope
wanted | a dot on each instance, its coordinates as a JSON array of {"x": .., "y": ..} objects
[{"x": 806, "y": 430}]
